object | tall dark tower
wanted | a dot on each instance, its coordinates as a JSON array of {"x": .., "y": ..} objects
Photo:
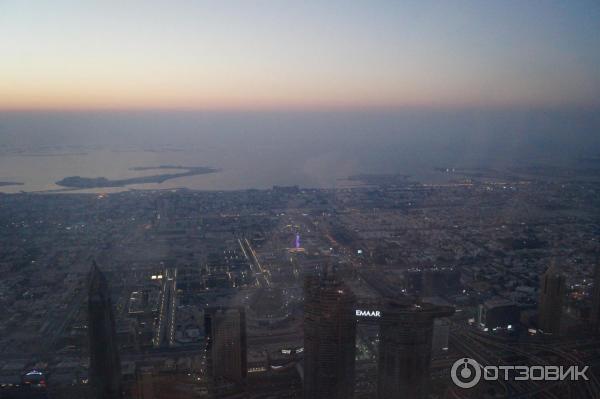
[
  {"x": 405, "y": 335},
  {"x": 105, "y": 366},
  {"x": 226, "y": 343},
  {"x": 329, "y": 338},
  {"x": 595, "y": 314},
  {"x": 552, "y": 291}
]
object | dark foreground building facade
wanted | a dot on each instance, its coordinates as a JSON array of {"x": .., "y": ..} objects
[
  {"x": 331, "y": 313},
  {"x": 226, "y": 343},
  {"x": 552, "y": 291},
  {"x": 405, "y": 335},
  {"x": 105, "y": 366},
  {"x": 329, "y": 338}
]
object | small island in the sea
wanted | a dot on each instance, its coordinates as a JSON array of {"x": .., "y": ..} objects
[
  {"x": 10, "y": 183},
  {"x": 100, "y": 182}
]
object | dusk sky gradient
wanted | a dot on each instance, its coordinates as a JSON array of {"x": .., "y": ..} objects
[{"x": 298, "y": 54}]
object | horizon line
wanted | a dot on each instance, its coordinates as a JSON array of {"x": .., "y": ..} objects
[{"x": 311, "y": 109}]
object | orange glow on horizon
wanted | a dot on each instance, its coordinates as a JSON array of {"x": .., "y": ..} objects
[
  {"x": 199, "y": 55},
  {"x": 88, "y": 101}
]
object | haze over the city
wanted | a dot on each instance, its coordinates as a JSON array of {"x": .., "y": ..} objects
[{"x": 293, "y": 92}]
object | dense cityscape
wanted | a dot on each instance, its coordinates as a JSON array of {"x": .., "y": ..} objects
[
  {"x": 299, "y": 199},
  {"x": 370, "y": 291}
]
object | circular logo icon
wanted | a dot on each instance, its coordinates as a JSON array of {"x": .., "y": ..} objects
[{"x": 466, "y": 372}]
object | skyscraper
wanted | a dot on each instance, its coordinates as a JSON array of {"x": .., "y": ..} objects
[
  {"x": 105, "y": 366},
  {"x": 329, "y": 338},
  {"x": 552, "y": 291},
  {"x": 226, "y": 343},
  {"x": 405, "y": 339}
]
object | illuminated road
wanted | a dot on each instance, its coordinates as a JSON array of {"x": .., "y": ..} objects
[
  {"x": 165, "y": 329},
  {"x": 262, "y": 275},
  {"x": 172, "y": 280}
]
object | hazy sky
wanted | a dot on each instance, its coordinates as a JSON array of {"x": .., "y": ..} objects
[{"x": 298, "y": 54}]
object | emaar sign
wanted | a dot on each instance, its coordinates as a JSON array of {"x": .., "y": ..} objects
[{"x": 368, "y": 313}]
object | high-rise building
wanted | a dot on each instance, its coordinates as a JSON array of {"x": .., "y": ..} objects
[
  {"x": 225, "y": 330},
  {"x": 552, "y": 291},
  {"x": 105, "y": 366},
  {"x": 498, "y": 313},
  {"x": 329, "y": 338},
  {"x": 405, "y": 340},
  {"x": 595, "y": 313}
]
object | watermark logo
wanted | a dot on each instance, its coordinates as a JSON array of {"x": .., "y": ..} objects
[{"x": 467, "y": 372}]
